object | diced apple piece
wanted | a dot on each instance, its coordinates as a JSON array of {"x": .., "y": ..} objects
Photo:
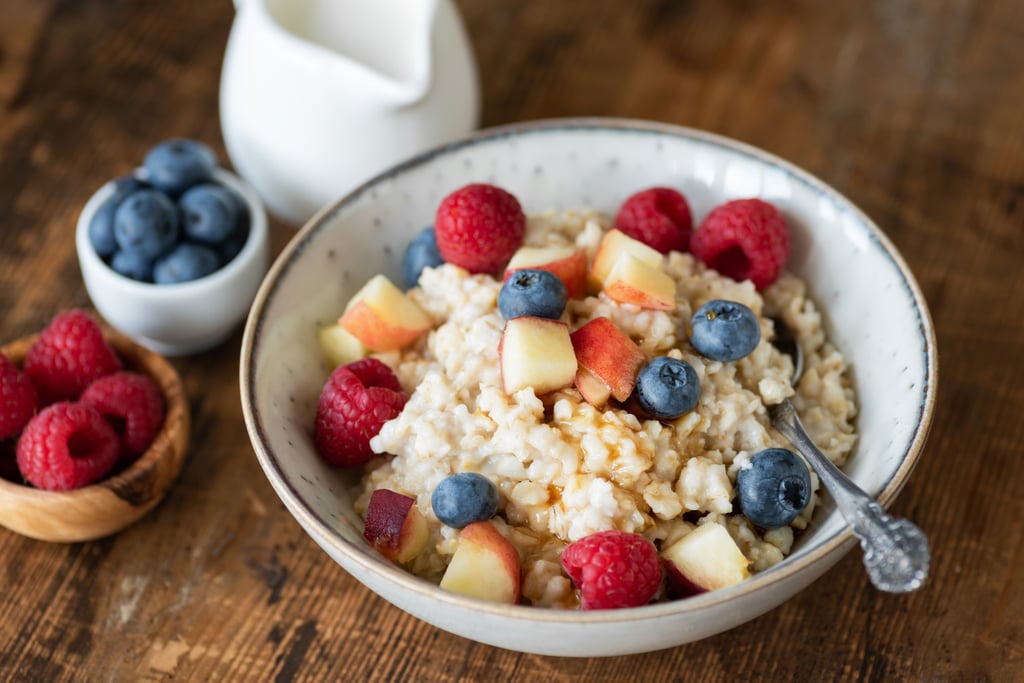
[
  {"x": 382, "y": 317},
  {"x": 631, "y": 281},
  {"x": 610, "y": 355},
  {"x": 395, "y": 526},
  {"x": 567, "y": 263},
  {"x": 705, "y": 559},
  {"x": 536, "y": 352},
  {"x": 614, "y": 244},
  {"x": 338, "y": 346},
  {"x": 593, "y": 390},
  {"x": 485, "y": 565}
]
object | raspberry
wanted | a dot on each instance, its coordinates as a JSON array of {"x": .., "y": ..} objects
[
  {"x": 69, "y": 354},
  {"x": 65, "y": 446},
  {"x": 18, "y": 399},
  {"x": 356, "y": 401},
  {"x": 746, "y": 239},
  {"x": 132, "y": 404},
  {"x": 479, "y": 227},
  {"x": 659, "y": 217},
  {"x": 613, "y": 569}
]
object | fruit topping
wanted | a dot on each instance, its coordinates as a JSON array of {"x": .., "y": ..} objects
[
  {"x": 65, "y": 446},
  {"x": 184, "y": 263},
  {"x": 177, "y": 164},
  {"x": 659, "y": 217},
  {"x": 613, "y": 569},
  {"x": 536, "y": 352},
  {"x": 421, "y": 252},
  {"x": 18, "y": 398},
  {"x": 355, "y": 402},
  {"x": 667, "y": 388},
  {"x": 705, "y": 559},
  {"x": 745, "y": 239},
  {"x": 463, "y": 498},
  {"x": 605, "y": 355},
  {"x": 773, "y": 488},
  {"x": 479, "y": 227},
  {"x": 532, "y": 292},
  {"x": 485, "y": 565},
  {"x": 132, "y": 404},
  {"x": 568, "y": 263},
  {"x": 395, "y": 526},
  {"x": 382, "y": 317},
  {"x": 338, "y": 346},
  {"x": 68, "y": 355},
  {"x": 725, "y": 330},
  {"x": 631, "y": 281},
  {"x": 612, "y": 246}
]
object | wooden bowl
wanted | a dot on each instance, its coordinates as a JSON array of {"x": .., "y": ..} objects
[{"x": 112, "y": 504}]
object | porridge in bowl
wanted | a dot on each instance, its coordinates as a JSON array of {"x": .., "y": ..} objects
[{"x": 598, "y": 426}]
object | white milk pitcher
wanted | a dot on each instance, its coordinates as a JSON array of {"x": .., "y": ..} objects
[{"x": 319, "y": 95}]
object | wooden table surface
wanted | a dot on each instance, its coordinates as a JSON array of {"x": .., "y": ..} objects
[{"x": 915, "y": 111}]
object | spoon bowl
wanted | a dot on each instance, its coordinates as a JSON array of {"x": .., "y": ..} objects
[{"x": 896, "y": 552}]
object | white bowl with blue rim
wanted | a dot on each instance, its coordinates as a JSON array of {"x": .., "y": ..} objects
[{"x": 874, "y": 312}]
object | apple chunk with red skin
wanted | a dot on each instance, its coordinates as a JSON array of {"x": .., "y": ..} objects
[
  {"x": 536, "y": 352},
  {"x": 705, "y": 559},
  {"x": 395, "y": 526},
  {"x": 485, "y": 565},
  {"x": 631, "y": 281},
  {"x": 338, "y": 346},
  {"x": 612, "y": 246},
  {"x": 607, "y": 353},
  {"x": 567, "y": 263},
  {"x": 382, "y": 317}
]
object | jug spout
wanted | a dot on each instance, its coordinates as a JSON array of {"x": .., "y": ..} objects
[{"x": 383, "y": 47}]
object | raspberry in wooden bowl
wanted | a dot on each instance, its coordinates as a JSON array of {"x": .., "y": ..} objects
[{"x": 63, "y": 479}]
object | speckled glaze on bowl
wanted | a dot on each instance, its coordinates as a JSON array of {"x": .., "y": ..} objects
[{"x": 875, "y": 313}]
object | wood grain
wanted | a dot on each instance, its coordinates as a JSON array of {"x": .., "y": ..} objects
[{"x": 912, "y": 110}]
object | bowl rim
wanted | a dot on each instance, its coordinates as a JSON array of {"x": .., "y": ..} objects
[
  {"x": 258, "y": 235},
  {"x": 323, "y": 532}
]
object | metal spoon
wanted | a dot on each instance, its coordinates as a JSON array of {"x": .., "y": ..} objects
[{"x": 896, "y": 553}]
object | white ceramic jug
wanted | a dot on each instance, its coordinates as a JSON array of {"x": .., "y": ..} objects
[{"x": 319, "y": 95}]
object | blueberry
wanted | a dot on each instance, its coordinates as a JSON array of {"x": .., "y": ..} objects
[
  {"x": 187, "y": 261},
  {"x": 234, "y": 243},
  {"x": 773, "y": 488},
  {"x": 146, "y": 222},
  {"x": 421, "y": 253},
  {"x": 230, "y": 248},
  {"x": 532, "y": 292},
  {"x": 725, "y": 330},
  {"x": 463, "y": 498},
  {"x": 177, "y": 164},
  {"x": 133, "y": 264},
  {"x": 667, "y": 388},
  {"x": 101, "y": 227},
  {"x": 208, "y": 213}
]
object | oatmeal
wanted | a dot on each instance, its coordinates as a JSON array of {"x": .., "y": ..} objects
[{"x": 566, "y": 469}]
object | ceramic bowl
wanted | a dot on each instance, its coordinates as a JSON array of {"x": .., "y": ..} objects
[
  {"x": 184, "y": 318},
  {"x": 874, "y": 309},
  {"x": 110, "y": 505}
]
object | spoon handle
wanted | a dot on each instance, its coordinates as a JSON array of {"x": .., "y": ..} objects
[{"x": 896, "y": 553}]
